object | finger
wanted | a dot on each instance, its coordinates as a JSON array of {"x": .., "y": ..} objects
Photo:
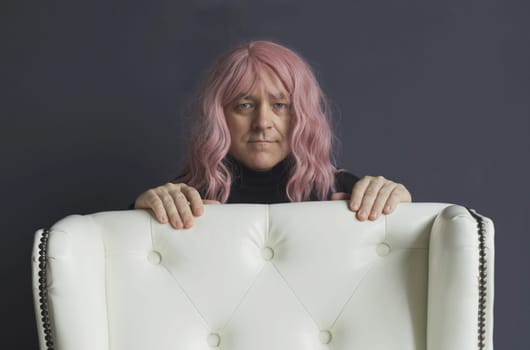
[
  {"x": 195, "y": 200},
  {"x": 369, "y": 197},
  {"x": 184, "y": 209},
  {"x": 357, "y": 193},
  {"x": 381, "y": 199},
  {"x": 171, "y": 208},
  {"x": 340, "y": 196},
  {"x": 399, "y": 194},
  {"x": 154, "y": 202}
]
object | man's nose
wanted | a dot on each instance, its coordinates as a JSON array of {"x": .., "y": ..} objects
[{"x": 263, "y": 117}]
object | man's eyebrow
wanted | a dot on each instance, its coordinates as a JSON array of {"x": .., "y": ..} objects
[
  {"x": 246, "y": 97},
  {"x": 278, "y": 96}
]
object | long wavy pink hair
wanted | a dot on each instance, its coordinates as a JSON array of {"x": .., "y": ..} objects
[{"x": 310, "y": 135}]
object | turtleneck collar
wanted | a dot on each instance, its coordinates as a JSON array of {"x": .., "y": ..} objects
[{"x": 246, "y": 176}]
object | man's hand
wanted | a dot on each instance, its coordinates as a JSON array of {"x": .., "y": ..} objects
[
  {"x": 374, "y": 195},
  {"x": 179, "y": 202}
]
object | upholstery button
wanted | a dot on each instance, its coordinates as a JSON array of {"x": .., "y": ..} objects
[
  {"x": 154, "y": 257},
  {"x": 267, "y": 253},
  {"x": 325, "y": 337},
  {"x": 383, "y": 249},
  {"x": 213, "y": 340}
]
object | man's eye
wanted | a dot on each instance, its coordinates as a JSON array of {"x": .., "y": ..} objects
[
  {"x": 280, "y": 105},
  {"x": 244, "y": 106}
]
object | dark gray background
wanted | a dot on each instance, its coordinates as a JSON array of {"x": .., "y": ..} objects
[{"x": 96, "y": 97}]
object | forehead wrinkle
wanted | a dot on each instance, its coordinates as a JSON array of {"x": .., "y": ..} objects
[{"x": 278, "y": 96}]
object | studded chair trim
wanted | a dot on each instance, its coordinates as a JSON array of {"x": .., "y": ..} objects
[
  {"x": 482, "y": 268},
  {"x": 43, "y": 290}
]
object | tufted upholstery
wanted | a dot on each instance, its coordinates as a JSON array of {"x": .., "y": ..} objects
[{"x": 290, "y": 276}]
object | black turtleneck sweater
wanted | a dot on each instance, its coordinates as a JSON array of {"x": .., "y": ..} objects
[{"x": 268, "y": 187}]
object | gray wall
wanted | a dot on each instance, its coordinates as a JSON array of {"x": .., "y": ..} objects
[{"x": 95, "y": 109}]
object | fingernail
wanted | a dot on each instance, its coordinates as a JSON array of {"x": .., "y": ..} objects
[
  {"x": 362, "y": 214},
  {"x": 388, "y": 208},
  {"x": 164, "y": 218}
]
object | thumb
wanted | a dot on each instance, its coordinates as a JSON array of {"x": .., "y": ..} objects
[
  {"x": 337, "y": 196},
  {"x": 210, "y": 201}
]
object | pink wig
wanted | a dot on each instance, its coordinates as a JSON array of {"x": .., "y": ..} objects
[{"x": 310, "y": 135}]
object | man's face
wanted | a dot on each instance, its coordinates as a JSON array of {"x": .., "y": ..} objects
[{"x": 259, "y": 124}]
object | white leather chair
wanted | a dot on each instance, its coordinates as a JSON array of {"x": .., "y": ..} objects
[{"x": 296, "y": 276}]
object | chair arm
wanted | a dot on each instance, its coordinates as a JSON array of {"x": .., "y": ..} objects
[
  {"x": 454, "y": 282},
  {"x": 78, "y": 309}
]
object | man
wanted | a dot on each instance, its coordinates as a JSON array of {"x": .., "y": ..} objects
[{"x": 262, "y": 135}]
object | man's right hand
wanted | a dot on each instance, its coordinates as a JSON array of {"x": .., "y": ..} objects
[{"x": 178, "y": 202}]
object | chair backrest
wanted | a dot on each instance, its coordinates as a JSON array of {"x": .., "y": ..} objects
[{"x": 273, "y": 277}]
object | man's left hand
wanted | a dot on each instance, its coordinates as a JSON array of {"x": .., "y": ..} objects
[{"x": 374, "y": 195}]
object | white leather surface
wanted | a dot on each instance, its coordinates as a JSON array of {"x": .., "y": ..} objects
[{"x": 284, "y": 276}]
